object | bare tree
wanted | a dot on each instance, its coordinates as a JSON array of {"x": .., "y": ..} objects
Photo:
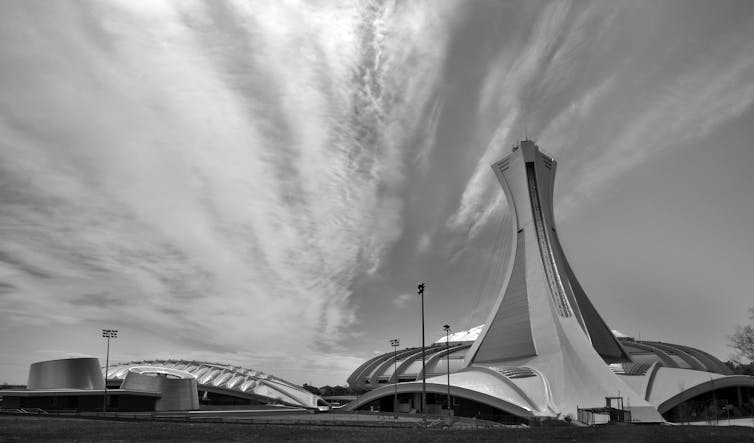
[{"x": 742, "y": 339}]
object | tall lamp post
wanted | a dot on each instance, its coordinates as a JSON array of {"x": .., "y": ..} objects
[
  {"x": 447, "y": 356},
  {"x": 424, "y": 362},
  {"x": 395, "y": 343},
  {"x": 108, "y": 334}
]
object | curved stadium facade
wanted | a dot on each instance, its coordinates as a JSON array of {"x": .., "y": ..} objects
[
  {"x": 545, "y": 351},
  {"x": 650, "y": 371}
]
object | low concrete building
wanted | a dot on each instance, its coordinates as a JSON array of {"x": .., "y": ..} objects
[
  {"x": 177, "y": 388},
  {"x": 75, "y": 384}
]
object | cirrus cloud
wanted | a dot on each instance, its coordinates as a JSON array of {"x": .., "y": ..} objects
[{"x": 216, "y": 171}]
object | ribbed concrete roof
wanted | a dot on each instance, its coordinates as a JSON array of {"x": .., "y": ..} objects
[{"x": 229, "y": 380}]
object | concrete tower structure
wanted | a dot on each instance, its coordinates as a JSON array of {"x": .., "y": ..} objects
[
  {"x": 540, "y": 280},
  {"x": 542, "y": 319}
]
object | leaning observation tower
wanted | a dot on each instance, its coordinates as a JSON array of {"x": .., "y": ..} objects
[
  {"x": 542, "y": 319},
  {"x": 541, "y": 281},
  {"x": 544, "y": 350}
]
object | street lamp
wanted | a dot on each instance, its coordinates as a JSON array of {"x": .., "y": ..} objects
[
  {"x": 108, "y": 334},
  {"x": 424, "y": 362},
  {"x": 447, "y": 356},
  {"x": 395, "y": 343}
]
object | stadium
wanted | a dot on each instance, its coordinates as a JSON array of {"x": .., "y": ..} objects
[
  {"x": 545, "y": 352},
  {"x": 654, "y": 368}
]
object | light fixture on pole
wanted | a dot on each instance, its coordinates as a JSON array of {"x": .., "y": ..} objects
[
  {"x": 424, "y": 362},
  {"x": 447, "y": 356},
  {"x": 108, "y": 334},
  {"x": 395, "y": 343}
]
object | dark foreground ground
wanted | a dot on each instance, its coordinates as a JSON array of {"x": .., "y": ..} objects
[{"x": 23, "y": 429}]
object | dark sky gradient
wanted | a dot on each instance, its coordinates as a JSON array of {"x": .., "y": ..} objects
[{"x": 265, "y": 183}]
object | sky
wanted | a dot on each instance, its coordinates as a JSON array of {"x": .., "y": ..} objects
[{"x": 264, "y": 183}]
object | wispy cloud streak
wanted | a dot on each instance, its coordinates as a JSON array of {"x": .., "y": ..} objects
[
  {"x": 219, "y": 170},
  {"x": 575, "y": 86}
]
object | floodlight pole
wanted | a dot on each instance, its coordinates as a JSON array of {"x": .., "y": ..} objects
[
  {"x": 447, "y": 356},
  {"x": 424, "y": 362},
  {"x": 395, "y": 343},
  {"x": 107, "y": 333}
]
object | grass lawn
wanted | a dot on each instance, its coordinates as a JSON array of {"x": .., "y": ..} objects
[{"x": 23, "y": 429}]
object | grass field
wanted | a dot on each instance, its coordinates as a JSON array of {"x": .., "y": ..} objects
[{"x": 23, "y": 429}]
